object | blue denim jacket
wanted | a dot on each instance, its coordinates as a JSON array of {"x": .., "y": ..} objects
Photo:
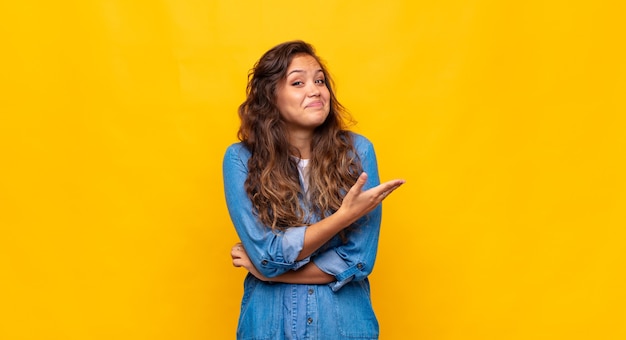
[{"x": 339, "y": 310}]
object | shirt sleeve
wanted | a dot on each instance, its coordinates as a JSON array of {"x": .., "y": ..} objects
[
  {"x": 272, "y": 252},
  {"x": 354, "y": 260}
]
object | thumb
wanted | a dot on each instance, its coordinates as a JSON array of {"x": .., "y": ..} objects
[{"x": 360, "y": 182}]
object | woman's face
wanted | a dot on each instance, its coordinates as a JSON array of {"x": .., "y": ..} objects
[{"x": 302, "y": 97}]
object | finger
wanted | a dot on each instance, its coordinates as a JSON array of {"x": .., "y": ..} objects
[
  {"x": 237, "y": 250},
  {"x": 383, "y": 190},
  {"x": 394, "y": 187},
  {"x": 360, "y": 182},
  {"x": 385, "y": 194},
  {"x": 386, "y": 187},
  {"x": 391, "y": 185},
  {"x": 388, "y": 192}
]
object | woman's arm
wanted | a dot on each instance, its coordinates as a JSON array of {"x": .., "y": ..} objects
[
  {"x": 354, "y": 259},
  {"x": 275, "y": 253},
  {"x": 355, "y": 205},
  {"x": 307, "y": 274},
  {"x": 272, "y": 252}
]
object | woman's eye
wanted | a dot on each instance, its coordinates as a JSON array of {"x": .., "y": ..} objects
[
  {"x": 320, "y": 81},
  {"x": 297, "y": 83}
]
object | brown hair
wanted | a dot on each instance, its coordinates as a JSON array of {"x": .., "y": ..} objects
[{"x": 273, "y": 183}]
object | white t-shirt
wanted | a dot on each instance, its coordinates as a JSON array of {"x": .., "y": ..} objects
[{"x": 303, "y": 169}]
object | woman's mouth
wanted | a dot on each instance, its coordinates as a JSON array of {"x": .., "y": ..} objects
[{"x": 315, "y": 104}]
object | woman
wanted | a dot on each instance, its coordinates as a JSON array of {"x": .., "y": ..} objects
[{"x": 304, "y": 196}]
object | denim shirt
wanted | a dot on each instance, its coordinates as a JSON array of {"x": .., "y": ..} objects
[{"x": 338, "y": 310}]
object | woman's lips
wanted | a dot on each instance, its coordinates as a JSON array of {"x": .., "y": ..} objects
[{"x": 315, "y": 104}]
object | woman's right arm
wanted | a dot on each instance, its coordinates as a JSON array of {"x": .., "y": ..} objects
[
  {"x": 272, "y": 253},
  {"x": 307, "y": 274}
]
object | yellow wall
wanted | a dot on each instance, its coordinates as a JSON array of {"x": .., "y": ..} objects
[{"x": 505, "y": 118}]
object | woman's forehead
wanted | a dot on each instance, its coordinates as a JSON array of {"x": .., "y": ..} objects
[{"x": 303, "y": 61}]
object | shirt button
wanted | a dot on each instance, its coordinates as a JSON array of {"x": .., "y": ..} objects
[
  {"x": 309, "y": 321},
  {"x": 310, "y": 291},
  {"x": 359, "y": 266},
  {"x": 264, "y": 262}
]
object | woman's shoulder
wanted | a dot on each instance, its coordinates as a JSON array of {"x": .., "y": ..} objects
[
  {"x": 237, "y": 150},
  {"x": 361, "y": 143}
]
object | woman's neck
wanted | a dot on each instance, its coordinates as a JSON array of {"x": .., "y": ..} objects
[{"x": 302, "y": 142}]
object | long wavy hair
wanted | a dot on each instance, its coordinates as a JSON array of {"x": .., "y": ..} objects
[{"x": 273, "y": 183}]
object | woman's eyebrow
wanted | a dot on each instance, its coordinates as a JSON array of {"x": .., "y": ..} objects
[
  {"x": 303, "y": 71},
  {"x": 294, "y": 71}
]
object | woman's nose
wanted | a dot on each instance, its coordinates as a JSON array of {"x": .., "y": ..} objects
[{"x": 313, "y": 90}]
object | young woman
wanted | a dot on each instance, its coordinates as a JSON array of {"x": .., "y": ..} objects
[{"x": 304, "y": 196}]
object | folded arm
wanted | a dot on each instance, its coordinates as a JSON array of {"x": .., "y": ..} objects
[
  {"x": 307, "y": 274},
  {"x": 275, "y": 254}
]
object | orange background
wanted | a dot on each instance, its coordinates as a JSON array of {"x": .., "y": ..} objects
[{"x": 506, "y": 120}]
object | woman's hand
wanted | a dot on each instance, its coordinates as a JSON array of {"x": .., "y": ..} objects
[
  {"x": 241, "y": 259},
  {"x": 357, "y": 202}
]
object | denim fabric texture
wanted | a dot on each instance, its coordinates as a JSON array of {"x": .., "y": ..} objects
[{"x": 339, "y": 310}]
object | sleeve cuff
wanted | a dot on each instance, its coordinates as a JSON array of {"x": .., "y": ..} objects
[
  {"x": 331, "y": 263},
  {"x": 293, "y": 242},
  {"x": 288, "y": 247}
]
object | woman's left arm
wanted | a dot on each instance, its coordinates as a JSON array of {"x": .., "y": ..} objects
[{"x": 354, "y": 259}]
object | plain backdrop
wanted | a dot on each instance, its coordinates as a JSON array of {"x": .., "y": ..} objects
[{"x": 505, "y": 118}]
